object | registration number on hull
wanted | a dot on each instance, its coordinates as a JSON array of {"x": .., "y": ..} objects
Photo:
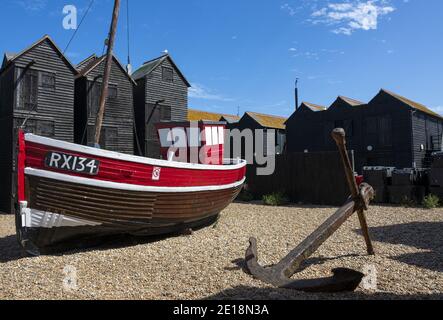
[{"x": 67, "y": 162}]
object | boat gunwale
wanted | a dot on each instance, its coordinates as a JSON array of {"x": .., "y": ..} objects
[
  {"x": 237, "y": 163},
  {"x": 125, "y": 186}
]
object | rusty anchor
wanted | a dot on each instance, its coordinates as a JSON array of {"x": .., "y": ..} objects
[{"x": 343, "y": 279}]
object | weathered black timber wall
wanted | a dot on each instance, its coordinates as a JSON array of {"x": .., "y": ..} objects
[
  {"x": 174, "y": 93},
  {"x": 6, "y": 121},
  {"x": 119, "y": 113},
  {"x": 140, "y": 116},
  {"x": 54, "y": 112},
  {"x": 390, "y": 128},
  {"x": 309, "y": 178},
  {"x": 427, "y": 132},
  {"x": 248, "y": 122},
  {"x": 57, "y": 105}
]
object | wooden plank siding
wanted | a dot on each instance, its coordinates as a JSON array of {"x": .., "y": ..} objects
[
  {"x": 51, "y": 113},
  {"x": 6, "y": 134},
  {"x": 150, "y": 89},
  {"x": 391, "y": 128},
  {"x": 311, "y": 178},
  {"x": 119, "y": 112}
]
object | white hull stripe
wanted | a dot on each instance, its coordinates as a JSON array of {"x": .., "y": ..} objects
[
  {"x": 238, "y": 164},
  {"x": 124, "y": 186},
  {"x": 32, "y": 218}
]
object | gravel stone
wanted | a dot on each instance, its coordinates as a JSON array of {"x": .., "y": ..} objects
[{"x": 208, "y": 264}]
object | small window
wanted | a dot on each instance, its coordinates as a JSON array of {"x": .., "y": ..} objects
[
  {"x": 47, "y": 81},
  {"x": 167, "y": 74},
  {"x": 45, "y": 128},
  {"x": 112, "y": 92},
  {"x": 28, "y": 89},
  {"x": 165, "y": 113},
  {"x": 108, "y": 137},
  {"x": 94, "y": 95}
]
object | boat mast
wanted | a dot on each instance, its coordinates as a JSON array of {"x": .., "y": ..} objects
[{"x": 107, "y": 73}]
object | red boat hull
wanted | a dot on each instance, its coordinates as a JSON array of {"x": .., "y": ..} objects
[{"x": 121, "y": 194}]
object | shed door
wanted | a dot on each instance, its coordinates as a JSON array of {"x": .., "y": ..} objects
[{"x": 152, "y": 143}]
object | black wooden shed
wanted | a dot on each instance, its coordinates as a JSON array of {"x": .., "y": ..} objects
[
  {"x": 118, "y": 123},
  {"x": 37, "y": 83},
  {"x": 390, "y": 130},
  {"x": 161, "y": 94},
  {"x": 250, "y": 122}
]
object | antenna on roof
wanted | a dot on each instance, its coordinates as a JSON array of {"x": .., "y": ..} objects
[
  {"x": 238, "y": 111},
  {"x": 128, "y": 66},
  {"x": 296, "y": 94}
]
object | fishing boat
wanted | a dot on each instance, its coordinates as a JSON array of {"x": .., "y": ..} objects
[{"x": 67, "y": 191}]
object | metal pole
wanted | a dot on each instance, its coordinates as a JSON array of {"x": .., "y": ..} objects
[{"x": 107, "y": 73}]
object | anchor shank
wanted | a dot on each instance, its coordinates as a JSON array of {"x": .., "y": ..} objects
[
  {"x": 291, "y": 263},
  {"x": 339, "y": 136}
]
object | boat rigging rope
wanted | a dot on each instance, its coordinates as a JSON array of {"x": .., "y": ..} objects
[{"x": 79, "y": 25}]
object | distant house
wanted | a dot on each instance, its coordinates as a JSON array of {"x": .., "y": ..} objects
[
  {"x": 197, "y": 115},
  {"x": 161, "y": 94},
  {"x": 256, "y": 121},
  {"x": 390, "y": 130},
  {"x": 118, "y": 123},
  {"x": 36, "y": 84}
]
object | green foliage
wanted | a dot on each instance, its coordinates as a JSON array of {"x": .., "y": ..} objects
[
  {"x": 407, "y": 202},
  {"x": 431, "y": 202},
  {"x": 275, "y": 199}
]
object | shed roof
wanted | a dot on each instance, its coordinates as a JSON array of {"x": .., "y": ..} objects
[
  {"x": 198, "y": 115},
  {"x": 230, "y": 119},
  {"x": 268, "y": 121},
  {"x": 350, "y": 101},
  {"x": 92, "y": 62},
  {"x": 313, "y": 107},
  {"x": 10, "y": 57},
  {"x": 151, "y": 65},
  {"x": 412, "y": 104}
]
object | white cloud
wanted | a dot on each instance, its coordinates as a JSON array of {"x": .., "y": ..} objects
[
  {"x": 347, "y": 17},
  {"x": 198, "y": 91},
  {"x": 32, "y": 5},
  {"x": 286, "y": 7}
]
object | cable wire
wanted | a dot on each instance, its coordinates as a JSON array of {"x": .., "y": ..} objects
[{"x": 79, "y": 25}]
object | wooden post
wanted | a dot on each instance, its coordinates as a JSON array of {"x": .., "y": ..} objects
[
  {"x": 339, "y": 136},
  {"x": 107, "y": 73}
]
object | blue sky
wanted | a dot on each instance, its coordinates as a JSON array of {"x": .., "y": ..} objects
[{"x": 247, "y": 53}]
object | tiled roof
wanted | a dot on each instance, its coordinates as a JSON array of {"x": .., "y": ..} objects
[
  {"x": 151, "y": 65},
  {"x": 314, "y": 107},
  {"x": 412, "y": 104},
  {"x": 85, "y": 63},
  {"x": 230, "y": 119},
  {"x": 12, "y": 57},
  {"x": 351, "y": 102},
  {"x": 268, "y": 121},
  {"x": 198, "y": 115},
  {"x": 90, "y": 63}
]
